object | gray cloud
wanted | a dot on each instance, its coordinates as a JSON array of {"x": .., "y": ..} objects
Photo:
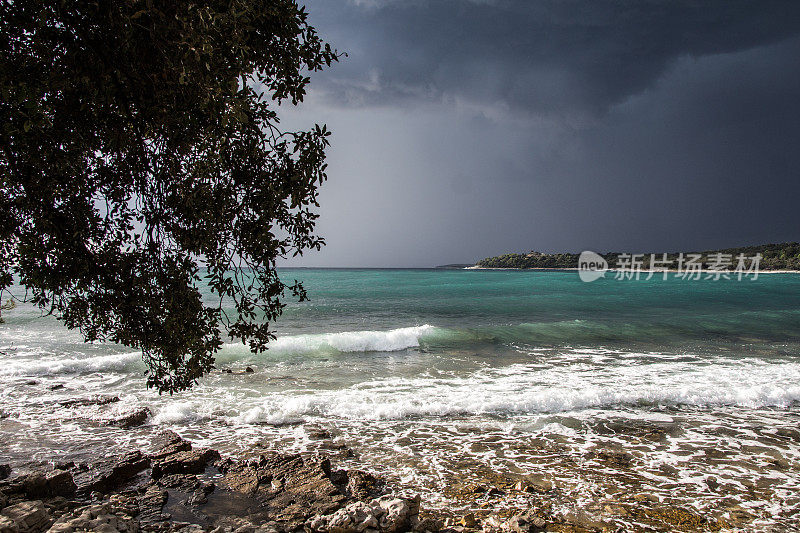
[
  {"x": 463, "y": 129},
  {"x": 553, "y": 56}
]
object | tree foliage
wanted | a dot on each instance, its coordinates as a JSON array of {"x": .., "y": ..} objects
[
  {"x": 141, "y": 155},
  {"x": 783, "y": 256}
]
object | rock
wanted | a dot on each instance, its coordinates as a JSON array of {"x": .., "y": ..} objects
[
  {"x": 534, "y": 484},
  {"x": 318, "y": 434},
  {"x": 306, "y": 487},
  {"x": 28, "y": 516},
  {"x": 168, "y": 442},
  {"x": 112, "y": 472},
  {"x": 387, "y": 514},
  {"x": 468, "y": 520},
  {"x": 430, "y": 525},
  {"x": 60, "y": 483},
  {"x": 7, "y": 525},
  {"x": 96, "y": 400},
  {"x": 249, "y": 370},
  {"x": 712, "y": 483},
  {"x": 151, "y": 503},
  {"x": 57, "y": 386},
  {"x": 183, "y": 462},
  {"x": 96, "y": 517},
  {"x": 525, "y": 523},
  {"x": 173, "y": 455},
  {"x": 357, "y": 484},
  {"x": 494, "y": 491},
  {"x": 132, "y": 419},
  {"x": 32, "y": 485},
  {"x": 5, "y": 471}
]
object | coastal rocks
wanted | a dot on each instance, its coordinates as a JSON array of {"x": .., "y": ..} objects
[
  {"x": 7, "y": 525},
  {"x": 184, "y": 462},
  {"x": 150, "y": 503},
  {"x": 175, "y": 487},
  {"x": 5, "y": 471},
  {"x": 388, "y": 514},
  {"x": 176, "y": 456},
  {"x": 468, "y": 520},
  {"x": 289, "y": 487},
  {"x": 58, "y": 483},
  {"x": 108, "y": 474},
  {"x": 357, "y": 484},
  {"x": 133, "y": 419},
  {"x": 98, "y": 518},
  {"x": 25, "y": 517},
  {"x": 94, "y": 400},
  {"x": 43, "y": 484},
  {"x": 525, "y": 523}
]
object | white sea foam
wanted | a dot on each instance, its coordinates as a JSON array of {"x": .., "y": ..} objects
[
  {"x": 557, "y": 390},
  {"x": 345, "y": 341},
  {"x": 49, "y": 365}
]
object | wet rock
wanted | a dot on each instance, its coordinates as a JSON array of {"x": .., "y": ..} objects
[
  {"x": 200, "y": 495},
  {"x": 525, "y": 523},
  {"x": 712, "y": 483},
  {"x": 173, "y": 455},
  {"x": 468, "y": 520},
  {"x": 95, "y": 400},
  {"x": 42, "y": 484},
  {"x": 168, "y": 442},
  {"x": 357, "y": 484},
  {"x": 586, "y": 521},
  {"x": 183, "y": 462},
  {"x": 97, "y": 517},
  {"x": 388, "y": 514},
  {"x": 150, "y": 503},
  {"x": 60, "y": 483},
  {"x": 5, "y": 471},
  {"x": 302, "y": 485},
  {"x": 132, "y": 419},
  {"x": 318, "y": 434},
  {"x": 110, "y": 473},
  {"x": 7, "y": 525},
  {"x": 249, "y": 370},
  {"x": 431, "y": 525},
  {"x": 57, "y": 386},
  {"x": 28, "y": 516}
]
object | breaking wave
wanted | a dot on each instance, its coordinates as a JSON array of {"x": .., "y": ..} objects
[
  {"x": 344, "y": 342},
  {"x": 523, "y": 389}
]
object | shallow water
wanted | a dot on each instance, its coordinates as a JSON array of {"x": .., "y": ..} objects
[{"x": 684, "y": 390}]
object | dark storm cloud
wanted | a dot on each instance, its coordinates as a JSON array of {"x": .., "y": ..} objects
[
  {"x": 554, "y": 56},
  {"x": 466, "y": 128}
]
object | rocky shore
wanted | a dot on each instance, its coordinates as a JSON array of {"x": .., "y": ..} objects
[
  {"x": 175, "y": 486},
  {"x": 171, "y": 484}
]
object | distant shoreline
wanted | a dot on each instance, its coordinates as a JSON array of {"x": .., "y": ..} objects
[{"x": 642, "y": 271}]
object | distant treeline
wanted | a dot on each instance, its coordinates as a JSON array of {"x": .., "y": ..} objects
[{"x": 785, "y": 256}]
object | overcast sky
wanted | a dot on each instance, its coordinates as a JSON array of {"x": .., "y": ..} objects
[{"x": 467, "y": 128}]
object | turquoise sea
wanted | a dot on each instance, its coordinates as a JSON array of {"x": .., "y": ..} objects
[{"x": 434, "y": 376}]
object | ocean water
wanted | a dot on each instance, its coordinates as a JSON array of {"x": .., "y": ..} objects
[{"x": 687, "y": 390}]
